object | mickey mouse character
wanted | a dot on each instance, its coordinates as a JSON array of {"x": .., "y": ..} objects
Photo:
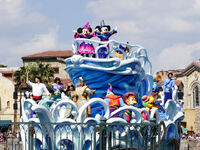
[
  {"x": 104, "y": 31},
  {"x": 85, "y": 47}
]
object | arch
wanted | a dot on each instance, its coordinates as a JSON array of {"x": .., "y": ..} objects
[
  {"x": 196, "y": 96},
  {"x": 194, "y": 89}
]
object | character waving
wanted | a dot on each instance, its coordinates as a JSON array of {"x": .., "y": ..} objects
[{"x": 85, "y": 47}]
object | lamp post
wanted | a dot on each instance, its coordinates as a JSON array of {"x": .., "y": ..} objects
[{"x": 15, "y": 107}]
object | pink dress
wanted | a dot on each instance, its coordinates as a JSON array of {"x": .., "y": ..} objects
[{"x": 85, "y": 47}]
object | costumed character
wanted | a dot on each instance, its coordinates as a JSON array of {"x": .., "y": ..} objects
[
  {"x": 119, "y": 54},
  {"x": 168, "y": 86},
  {"x": 149, "y": 102},
  {"x": 156, "y": 80},
  {"x": 113, "y": 101},
  {"x": 130, "y": 99},
  {"x": 85, "y": 47},
  {"x": 38, "y": 89},
  {"x": 83, "y": 93},
  {"x": 104, "y": 33},
  {"x": 57, "y": 88},
  {"x": 70, "y": 92}
]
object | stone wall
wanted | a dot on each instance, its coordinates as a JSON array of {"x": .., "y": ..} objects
[
  {"x": 197, "y": 121},
  {"x": 6, "y": 99},
  {"x": 53, "y": 63},
  {"x": 192, "y": 114}
]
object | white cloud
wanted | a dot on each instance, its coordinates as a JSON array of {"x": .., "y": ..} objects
[
  {"x": 178, "y": 25},
  {"x": 156, "y": 25},
  {"x": 178, "y": 56},
  {"x": 45, "y": 41},
  {"x": 25, "y": 31}
]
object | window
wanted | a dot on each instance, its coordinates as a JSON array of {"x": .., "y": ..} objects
[
  {"x": 196, "y": 96},
  {"x": 8, "y": 104}
]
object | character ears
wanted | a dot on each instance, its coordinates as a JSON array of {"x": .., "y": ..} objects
[
  {"x": 108, "y": 28},
  {"x": 79, "y": 30},
  {"x": 90, "y": 29},
  {"x": 97, "y": 27}
]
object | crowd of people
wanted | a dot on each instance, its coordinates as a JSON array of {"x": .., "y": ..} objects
[{"x": 190, "y": 136}]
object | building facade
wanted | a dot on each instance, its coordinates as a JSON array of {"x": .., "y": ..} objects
[
  {"x": 188, "y": 82},
  {"x": 8, "y": 72},
  {"x": 54, "y": 58},
  {"x": 190, "y": 77},
  {"x": 7, "y": 111}
]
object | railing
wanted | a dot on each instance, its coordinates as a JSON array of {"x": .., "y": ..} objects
[
  {"x": 111, "y": 48},
  {"x": 81, "y": 136}
]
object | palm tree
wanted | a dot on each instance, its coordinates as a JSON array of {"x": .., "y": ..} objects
[
  {"x": 20, "y": 75},
  {"x": 42, "y": 70}
]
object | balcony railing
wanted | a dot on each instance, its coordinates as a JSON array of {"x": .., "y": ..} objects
[
  {"x": 112, "y": 48},
  {"x": 80, "y": 136}
]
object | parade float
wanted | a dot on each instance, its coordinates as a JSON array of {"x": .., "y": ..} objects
[{"x": 120, "y": 77}]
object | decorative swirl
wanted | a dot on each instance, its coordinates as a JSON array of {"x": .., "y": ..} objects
[
  {"x": 93, "y": 100},
  {"x": 137, "y": 114},
  {"x": 27, "y": 110},
  {"x": 70, "y": 107}
]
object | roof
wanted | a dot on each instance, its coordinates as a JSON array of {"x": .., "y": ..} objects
[
  {"x": 7, "y": 72},
  {"x": 50, "y": 54},
  {"x": 191, "y": 68},
  {"x": 197, "y": 63}
]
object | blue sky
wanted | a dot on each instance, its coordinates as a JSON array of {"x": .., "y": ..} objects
[{"x": 169, "y": 30}]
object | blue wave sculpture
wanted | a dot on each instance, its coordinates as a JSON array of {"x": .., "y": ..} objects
[{"x": 130, "y": 73}]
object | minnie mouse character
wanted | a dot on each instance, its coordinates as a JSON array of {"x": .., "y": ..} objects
[
  {"x": 104, "y": 31},
  {"x": 85, "y": 47}
]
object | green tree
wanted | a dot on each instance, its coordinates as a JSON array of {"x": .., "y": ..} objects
[
  {"x": 42, "y": 70},
  {"x": 20, "y": 75},
  {"x": 2, "y": 66}
]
